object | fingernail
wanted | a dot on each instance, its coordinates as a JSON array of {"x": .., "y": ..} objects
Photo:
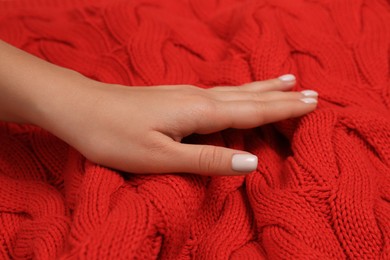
[
  {"x": 288, "y": 79},
  {"x": 244, "y": 162},
  {"x": 309, "y": 93},
  {"x": 309, "y": 100}
]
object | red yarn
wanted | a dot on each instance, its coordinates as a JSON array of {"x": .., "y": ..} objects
[{"x": 322, "y": 188}]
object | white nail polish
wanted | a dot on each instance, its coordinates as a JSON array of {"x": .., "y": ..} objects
[
  {"x": 288, "y": 79},
  {"x": 309, "y": 93},
  {"x": 309, "y": 100},
  {"x": 244, "y": 162}
]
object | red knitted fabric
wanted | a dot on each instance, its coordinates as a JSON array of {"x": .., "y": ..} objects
[{"x": 322, "y": 188}]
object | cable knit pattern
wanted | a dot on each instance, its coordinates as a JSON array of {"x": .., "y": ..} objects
[{"x": 322, "y": 187}]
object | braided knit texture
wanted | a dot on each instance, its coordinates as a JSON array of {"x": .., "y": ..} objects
[{"x": 322, "y": 187}]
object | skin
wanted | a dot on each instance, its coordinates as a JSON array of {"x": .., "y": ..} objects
[{"x": 138, "y": 129}]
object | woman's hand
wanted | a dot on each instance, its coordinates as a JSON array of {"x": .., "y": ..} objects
[{"x": 139, "y": 129}]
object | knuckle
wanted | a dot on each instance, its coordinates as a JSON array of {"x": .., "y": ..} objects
[
  {"x": 202, "y": 106},
  {"x": 257, "y": 95},
  {"x": 192, "y": 94},
  {"x": 260, "y": 111},
  {"x": 210, "y": 159},
  {"x": 190, "y": 89}
]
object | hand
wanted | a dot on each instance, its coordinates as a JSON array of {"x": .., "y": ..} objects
[{"x": 139, "y": 129}]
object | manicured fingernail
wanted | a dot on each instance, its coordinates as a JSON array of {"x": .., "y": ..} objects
[
  {"x": 288, "y": 79},
  {"x": 244, "y": 162},
  {"x": 309, "y": 93},
  {"x": 309, "y": 100}
]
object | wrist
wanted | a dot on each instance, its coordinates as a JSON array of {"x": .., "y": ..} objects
[
  {"x": 32, "y": 90},
  {"x": 56, "y": 99}
]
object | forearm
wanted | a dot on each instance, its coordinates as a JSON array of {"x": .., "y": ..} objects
[{"x": 29, "y": 86}]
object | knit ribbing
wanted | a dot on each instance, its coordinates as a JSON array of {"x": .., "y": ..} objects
[{"x": 322, "y": 187}]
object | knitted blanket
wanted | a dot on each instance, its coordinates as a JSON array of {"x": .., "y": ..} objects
[{"x": 322, "y": 187}]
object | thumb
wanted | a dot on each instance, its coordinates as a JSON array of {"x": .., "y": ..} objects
[{"x": 212, "y": 160}]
